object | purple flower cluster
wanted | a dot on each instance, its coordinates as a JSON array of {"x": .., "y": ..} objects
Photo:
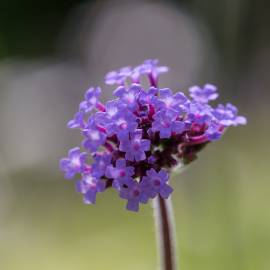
[{"x": 135, "y": 140}]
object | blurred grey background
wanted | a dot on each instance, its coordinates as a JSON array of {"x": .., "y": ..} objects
[{"x": 51, "y": 51}]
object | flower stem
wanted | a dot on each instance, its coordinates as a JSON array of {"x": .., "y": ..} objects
[{"x": 165, "y": 233}]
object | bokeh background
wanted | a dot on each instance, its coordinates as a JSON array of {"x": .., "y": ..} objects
[{"x": 51, "y": 51}]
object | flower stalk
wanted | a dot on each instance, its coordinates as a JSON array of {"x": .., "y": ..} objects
[{"x": 165, "y": 233}]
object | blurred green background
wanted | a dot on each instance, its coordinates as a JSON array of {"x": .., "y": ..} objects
[{"x": 50, "y": 51}]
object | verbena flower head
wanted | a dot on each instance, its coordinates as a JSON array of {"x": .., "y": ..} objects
[{"x": 132, "y": 143}]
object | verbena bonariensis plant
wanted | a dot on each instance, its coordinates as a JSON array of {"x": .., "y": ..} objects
[{"x": 136, "y": 139}]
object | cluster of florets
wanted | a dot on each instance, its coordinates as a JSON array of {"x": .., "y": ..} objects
[{"x": 133, "y": 141}]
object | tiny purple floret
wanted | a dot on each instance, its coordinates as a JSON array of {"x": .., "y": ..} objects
[
  {"x": 205, "y": 94},
  {"x": 135, "y": 147},
  {"x": 74, "y": 163}
]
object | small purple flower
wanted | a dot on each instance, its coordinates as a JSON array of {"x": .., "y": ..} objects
[
  {"x": 113, "y": 107},
  {"x": 135, "y": 147},
  {"x": 129, "y": 96},
  {"x": 94, "y": 137},
  {"x": 123, "y": 123},
  {"x": 120, "y": 173},
  {"x": 89, "y": 186},
  {"x": 91, "y": 99},
  {"x": 169, "y": 100},
  {"x": 199, "y": 113},
  {"x": 118, "y": 77},
  {"x": 214, "y": 131},
  {"x": 148, "y": 97},
  {"x": 74, "y": 163},
  {"x": 227, "y": 115},
  {"x": 77, "y": 121},
  {"x": 134, "y": 194},
  {"x": 156, "y": 183},
  {"x": 101, "y": 162},
  {"x": 151, "y": 68},
  {"x": 205, "y": 94},
  {"x": 166, "y": 123},
  {"x": 107, "y": 118}
]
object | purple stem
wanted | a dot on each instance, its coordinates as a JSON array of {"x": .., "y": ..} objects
[
  {"x": 152, "y": 80},
  {"x": 165, "y": 233}
]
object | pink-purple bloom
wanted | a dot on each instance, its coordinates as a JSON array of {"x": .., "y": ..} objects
[
  {"x": 156, "y": 183},
  {"x": 134, "y": 146},
  {"x": 136, "y": 139},
  {"x": 74, "y": 163},
  {"x": 101, "y": 162},
  {"x": 94, "y": 137},
  {"x": 89, "y": 186},
  {"x": 121, "y": 173},
  {"x": 77, "y": 121},
  {"x": 204, "y": 94},
  {"x": 134, "y": 194},
  {"x": 118, "y": 77},
  {"x": 166, "y": 122},
  {"x": 91, "y": 99}
]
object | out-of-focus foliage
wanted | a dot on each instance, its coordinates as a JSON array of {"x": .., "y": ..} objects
[{"x": 30, "y": 28}]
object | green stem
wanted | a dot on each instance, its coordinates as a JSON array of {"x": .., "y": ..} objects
[{"x": 165, "y": 233}]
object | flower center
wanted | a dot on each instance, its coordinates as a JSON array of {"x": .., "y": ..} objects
[
  {"x": 93, "y": 186},
  {"x": 122, "y": 173},
  {"x": 165, "y": 124},
  {"x": 75, "y": 162},
  {"x": 156, "y": 182},
  {"x": 130, "y": 97},
  {"x": 93, "y": 100},
  {"x": 136, "y": 193},
  {"x": 94, "y": 135},
  {"x": 168, "y": 101},
  {"x": 123, "y": 125},
  {"x": 136, "y": 146}
]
